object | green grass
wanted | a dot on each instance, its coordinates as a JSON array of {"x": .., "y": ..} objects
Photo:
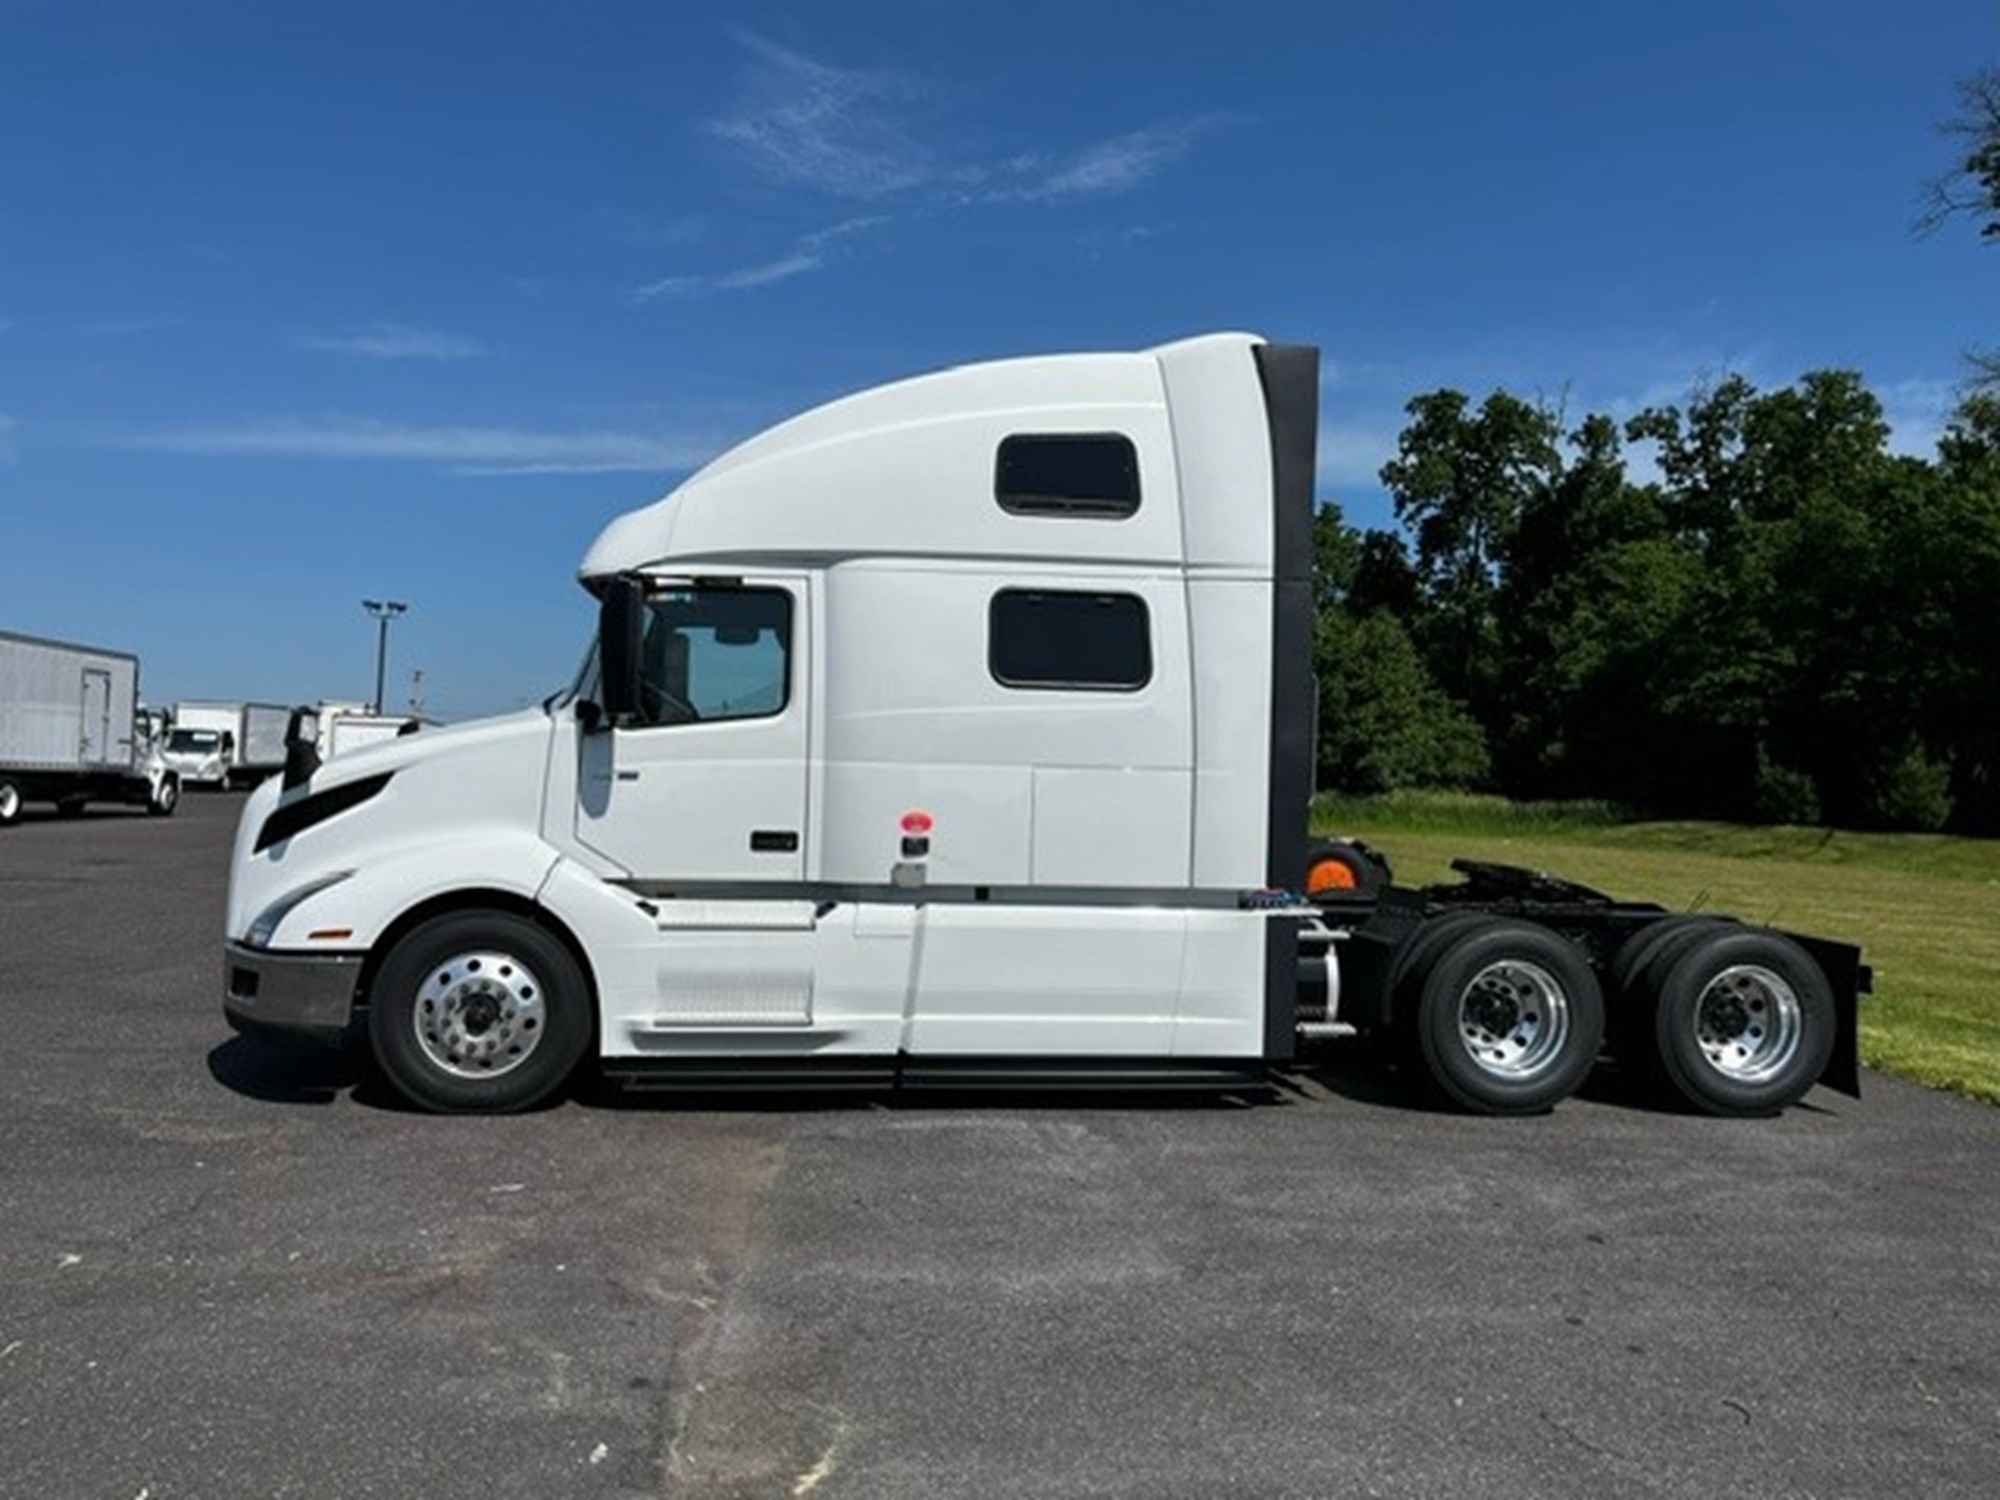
[{"x": 1924, "y": 907}]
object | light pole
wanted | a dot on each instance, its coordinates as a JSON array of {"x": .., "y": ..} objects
[{"x": 384, "y": 610}]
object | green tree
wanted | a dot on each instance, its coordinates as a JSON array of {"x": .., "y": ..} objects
[
  {"x": 1383, "y": 721},
  {"x": 1460, "y": 481},
  {"x": 1971, "y": 188}
]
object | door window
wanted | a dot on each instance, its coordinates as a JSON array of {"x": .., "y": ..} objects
[{"x": 715, "y": 654}]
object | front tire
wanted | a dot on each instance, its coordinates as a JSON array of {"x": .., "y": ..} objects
[
  {"x": 1744, "y": 1024},
  {"x": 166, "y": 797},
  {"x": 479, "y": 1013},
  {"x": 1509, "y": 1018},
  {"x": 10, "y": 803}
]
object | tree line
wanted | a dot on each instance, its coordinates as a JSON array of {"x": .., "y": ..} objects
[{"x": 1780, "y": 621}]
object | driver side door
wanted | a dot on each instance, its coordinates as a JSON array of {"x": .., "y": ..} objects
[{"x": 709, "y": 784}]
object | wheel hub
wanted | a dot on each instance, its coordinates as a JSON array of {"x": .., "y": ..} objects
[
  {"x": 1748, "y": 1023},
  {"x": 479, "y": 1015},
  {"x": 1513, "y": 1019}
]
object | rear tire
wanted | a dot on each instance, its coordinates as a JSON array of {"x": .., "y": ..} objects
[
  {"x": 1743, "y": 1024},
  {"x": 1509, "y": 1018},
  {"x": 1635, "y": 976},
  {"x": 479, "y": 1012}
]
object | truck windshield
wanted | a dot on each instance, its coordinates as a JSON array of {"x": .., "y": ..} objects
[
  {"x": 583, "y": 685},
  {"x": 193, "y": 739}
]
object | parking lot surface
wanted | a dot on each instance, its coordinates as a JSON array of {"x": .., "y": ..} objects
[{"x": 226, "y": 1270}]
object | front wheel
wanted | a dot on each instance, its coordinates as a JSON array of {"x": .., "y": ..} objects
[
  {"x": 10, "y": 803},
  {"x": 166, "y": 797},
  {"x": 479, "y": 1013},
  {"x": 1509, "y": 1018}
]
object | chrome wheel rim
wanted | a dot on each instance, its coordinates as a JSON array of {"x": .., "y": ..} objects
[
  {"x": 480, "y": 1014},
  {"x": 1748, "y": 1023},
  {"x": 1513, "y": 1019}
]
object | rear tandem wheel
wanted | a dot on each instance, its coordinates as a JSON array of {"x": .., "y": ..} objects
[{"x": 1507, "y": 1016}]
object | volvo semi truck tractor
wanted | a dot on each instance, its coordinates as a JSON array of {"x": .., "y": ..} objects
[{"x": 961, "y": 731}]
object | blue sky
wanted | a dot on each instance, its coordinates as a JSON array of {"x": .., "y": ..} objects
[{"x": 301, "y": 304}]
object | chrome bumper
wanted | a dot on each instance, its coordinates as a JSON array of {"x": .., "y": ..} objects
[{"x": 308, "y": 996}]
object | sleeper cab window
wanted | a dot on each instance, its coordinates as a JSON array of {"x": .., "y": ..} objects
[
  {"x": 1060, "y": 639},
  {"x": 715, "y": 653},
  {"x": 1086, "y": 474}
]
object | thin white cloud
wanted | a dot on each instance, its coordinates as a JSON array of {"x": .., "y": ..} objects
[
  {"x": 803, "y": 122},
  {"x": 1118, "y": 165},
  {"x": 810, "y": 253},
  {"x": 1351, "y": 454},
  {"x": 1097, "y": 243},
  {"x": 1917, "y": 411},
  {"x": 396, "y": 341},
  {"x": 464, "y": 450}
]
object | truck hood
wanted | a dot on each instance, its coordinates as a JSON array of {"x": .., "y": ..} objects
[{"x": 412, "y": 791}]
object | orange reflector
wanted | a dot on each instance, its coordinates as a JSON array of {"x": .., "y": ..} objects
[
  {"x": 1329, "y": 875},
  {"x": 330, "y": 934}
]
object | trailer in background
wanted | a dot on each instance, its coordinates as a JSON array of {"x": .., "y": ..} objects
[
  {"x": 69, "y": 730},
  {"x": 345, "y": 725},
  {"x": 345, "y": 733},
  {"x": 223, "y": 744}
]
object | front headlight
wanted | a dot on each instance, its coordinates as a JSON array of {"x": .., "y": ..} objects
[{"x": 267, "y": 921}]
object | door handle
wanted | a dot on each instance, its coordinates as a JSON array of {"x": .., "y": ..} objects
[{"x": 774, "y": 841}]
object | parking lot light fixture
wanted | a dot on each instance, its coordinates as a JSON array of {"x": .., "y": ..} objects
[{"x": 383, "y": 611}]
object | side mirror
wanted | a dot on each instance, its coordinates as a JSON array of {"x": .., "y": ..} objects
[
  {"x": 621, "y": 629},
  {"x": 301, "y": 747}
]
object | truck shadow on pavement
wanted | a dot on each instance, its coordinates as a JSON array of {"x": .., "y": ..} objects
[
  {"x": 301, "y": 1075},
  {"x": 280, "y": 1075},
  {"x": 276, "y": 1074}
]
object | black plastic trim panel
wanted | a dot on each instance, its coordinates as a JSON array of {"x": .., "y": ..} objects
[
  {"x": 294, "y": 818},
  {"x": 1290, "y": 378}
]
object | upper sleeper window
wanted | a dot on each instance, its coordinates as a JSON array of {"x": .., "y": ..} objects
[
  {"x": 1057, "y": 639},
  {"x": 1092, "y": 474}
]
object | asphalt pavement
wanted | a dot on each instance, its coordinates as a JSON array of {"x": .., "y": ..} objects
[{"x": 227, "y": 1270}]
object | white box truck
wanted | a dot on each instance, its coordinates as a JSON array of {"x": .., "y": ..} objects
[
  {"x": 69, "y": 730},
  {"x": 227, "y": 744},
  {"x": 345, "y": 727},
  {"x": 960, "y": 731}
]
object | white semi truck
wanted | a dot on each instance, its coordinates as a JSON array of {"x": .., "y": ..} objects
[
  {"x": 961, "y": 731},
  {"x": 70, "y": 731},
  {"x": 223, "y": 745}
]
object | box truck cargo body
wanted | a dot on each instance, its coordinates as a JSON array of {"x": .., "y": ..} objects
[
  {"x": 960, "y": 730},
  {"x": 69, "y": 731}
]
